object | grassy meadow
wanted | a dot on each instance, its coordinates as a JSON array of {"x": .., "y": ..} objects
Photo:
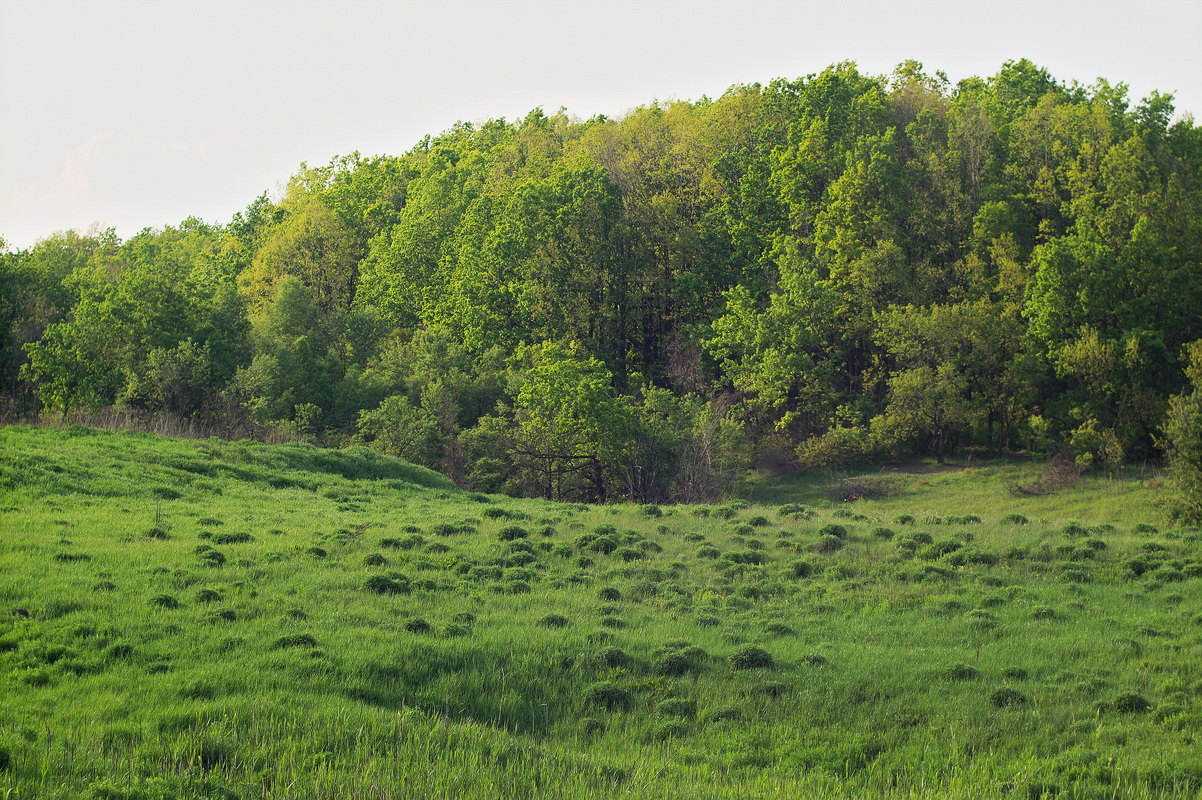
[{"x": 202, "y": 619}]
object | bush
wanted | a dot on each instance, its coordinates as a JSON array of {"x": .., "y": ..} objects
[
  {"x": 1006, "y": 698},
  {"x": 295, "y": 640},
  {"x": 554, "y": 621},
  {"x": 801, "y": 569},
  {"x": 512, "y": 532},
  {"x": 375, "y": 560},
  {"x": 1131, "y": 704},
  {"x": 165, "y": 601},
  {"x": 779, "y": 629},
  {"x": 609, "y": 593},
  {"x": 417, "y": 625},
  {"x": 1014, "y": 519},
  {"x": 962, "y": 672},
  {"x": 838, "y": 531},
  {"x": 883, "y": 533},
  {"x": 721, "y": 714},
  {"x": 608, "y": 695},
  {"x": 233, "y": 538},
  {"x": 157, "y": 533},
  {"x": 686, "y": 709},
  {"x": 903, "y": 519},
  {"x": 751, "y": 658},
  {"x": 669, "y": 730},
  {"x": 828, "y": 544},
  {"x": 613, "y": 657},
  {"x": 383, "y": 584},
  {"x": 208, "y": 596},
  {"x": 674, "y": 663}
]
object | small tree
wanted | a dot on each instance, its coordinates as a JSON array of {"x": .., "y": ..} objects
[{"x": 1183, "y": 440}]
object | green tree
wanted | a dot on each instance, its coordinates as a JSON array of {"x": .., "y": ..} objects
[{"x": 1183, "y": 443}]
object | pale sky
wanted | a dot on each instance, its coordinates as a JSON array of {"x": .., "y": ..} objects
[{"x": 139, "y": 113}]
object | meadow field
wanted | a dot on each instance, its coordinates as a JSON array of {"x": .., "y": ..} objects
[{"x": 204, "y": 619}]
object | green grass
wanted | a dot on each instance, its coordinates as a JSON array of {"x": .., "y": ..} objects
[{"x": 367, "y": 630}]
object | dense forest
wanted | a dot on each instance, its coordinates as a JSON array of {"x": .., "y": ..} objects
[{"x": 806, "y": 274}]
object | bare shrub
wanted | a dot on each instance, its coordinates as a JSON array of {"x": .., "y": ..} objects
[
  {"x": 867, "y": 487},
  {"x": 1060, "y": 473}
]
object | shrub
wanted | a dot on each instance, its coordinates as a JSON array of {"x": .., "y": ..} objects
[
  {"x": 603, "y": 544},
  {"x": 673, "y": 663},
  {"x": 608, "y": 695},
  {"x": 554, "y": 621},
  {"x": 801, "y": 569},
  {"x": 512, "y": 532},
  {"x": 779, "y": 629},
  {"x": 708, "y": 621},
  {"x": 828, "y": 544},
  {"x": 1144, "y": 527},
  {"x": 208, "y": 596},
  {"x": 613, "y": 658},
  {"x": 157, "y": 533},
  {"x": 685, "y": 709},
  {"x": 652, "y": 511},
  {"x": 317, "y": 552},
  {"x": 903, "y": 519},
  {"x": 417, "y": 625},
  {"x": 496, "y": 512},
  {"x": 838, "y": 531},
  {"x": 628, "y": 554},
  {"x": 295, "y": 640},
  {"x": 591, "y": 725},
  {"x": 165, "y": 601},
  {"x": 1131, "y": 704},
  {"x": 610, "y": 593},
  {"x": 1015, "y": 673},
  {"x": 383, "y": 584},
  {"x": 1007, "y": 697},
  {"x": 612, "y": 622},
  {"x": 751, "y": 658},
  {"x": 669, "y": 730},
  {"x": 233, "y": 538},
  {"x": 962, "y": 672},
  {"x": 758, "y": 522},
  {"x": 1014, "y": 519},
  {"x": 708, "y": 552},
  {"x": 720, "y": 714},
  {"x": 105, "y": 586},
  {"x": 883, "y": 533},
  {"x": 375, "y": 560}
]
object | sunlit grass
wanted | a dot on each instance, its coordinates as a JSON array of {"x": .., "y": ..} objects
[{"x": 603, "y": 653}]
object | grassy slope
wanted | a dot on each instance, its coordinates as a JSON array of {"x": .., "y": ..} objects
[{"x": 1015, "y": 666}]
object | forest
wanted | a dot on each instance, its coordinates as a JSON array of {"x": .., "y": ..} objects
[{"x": 803, "y": 275}]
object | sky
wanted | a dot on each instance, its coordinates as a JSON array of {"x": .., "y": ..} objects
[{"x": 140, "y": 113}]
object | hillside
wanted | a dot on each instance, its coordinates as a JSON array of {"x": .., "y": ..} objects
[
  {"x": 199, "y": 619},
  {"x": 813, "y": 273}
]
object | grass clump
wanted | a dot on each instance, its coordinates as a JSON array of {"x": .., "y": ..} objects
[
  {"x": 750, "y": 657},
  {"x": 609, "y": 696}
]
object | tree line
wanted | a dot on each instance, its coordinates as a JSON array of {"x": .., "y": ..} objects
[{"x": 806, "y": 274}]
